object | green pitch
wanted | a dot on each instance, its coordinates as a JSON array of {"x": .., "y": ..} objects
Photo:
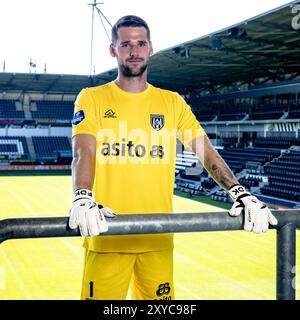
[{"x": 211, "y": 265}]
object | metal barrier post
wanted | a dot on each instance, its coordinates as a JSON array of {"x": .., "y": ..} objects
[{"x": 286, "y": 262}]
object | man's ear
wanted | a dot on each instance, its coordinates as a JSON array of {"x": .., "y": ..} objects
[
  {"x": 112, "y": 50},
  {"x": 151, "y": 49}
]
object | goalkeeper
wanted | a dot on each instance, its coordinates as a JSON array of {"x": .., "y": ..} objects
[{"x": 124, "y": 150}]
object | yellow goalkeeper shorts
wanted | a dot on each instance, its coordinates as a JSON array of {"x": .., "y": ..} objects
[{"x": 108, "y": 276}]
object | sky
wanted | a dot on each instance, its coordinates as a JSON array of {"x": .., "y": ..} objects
[{"x": 58, "y": 32}]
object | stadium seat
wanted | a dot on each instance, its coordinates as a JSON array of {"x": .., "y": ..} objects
[
  {"x": 284, "y": 176},
  {"x": 8, "y": 110},
  {"x": 49, "y": 147},
  {"x": 55, "y": 110}
]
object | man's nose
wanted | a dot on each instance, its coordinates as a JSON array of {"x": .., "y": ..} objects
[{"x": 134, "y": 51}]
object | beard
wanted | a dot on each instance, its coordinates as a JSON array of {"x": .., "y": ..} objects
[{"x": 131, "y": 72}]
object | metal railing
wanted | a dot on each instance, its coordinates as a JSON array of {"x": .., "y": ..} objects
[{"x": 288, "y": 222}]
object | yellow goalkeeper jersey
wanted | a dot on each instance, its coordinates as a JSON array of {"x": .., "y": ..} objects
[{"x": 135, "y": 157}]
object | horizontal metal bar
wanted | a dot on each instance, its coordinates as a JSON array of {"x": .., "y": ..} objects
[
  {"x": 41, "y": 227},
  {"x": 288, "y": 221}
]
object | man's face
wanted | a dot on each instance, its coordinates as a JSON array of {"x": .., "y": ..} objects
[{"x": 132, "y": 50}]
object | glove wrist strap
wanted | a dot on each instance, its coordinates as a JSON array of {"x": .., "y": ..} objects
[
  {"x": 237, "y": 192},
  {"x": 83, "y": 194}
]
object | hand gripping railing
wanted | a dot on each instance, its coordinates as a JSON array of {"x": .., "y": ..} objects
[{"x": 288, "y": 222}]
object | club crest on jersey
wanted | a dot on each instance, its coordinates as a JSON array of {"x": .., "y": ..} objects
[
  {"x": 157, "y": 121},
  {"x": 78, "y": 117}
]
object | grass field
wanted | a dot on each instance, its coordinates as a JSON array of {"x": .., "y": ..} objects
[{"x": 210, "y": 265}]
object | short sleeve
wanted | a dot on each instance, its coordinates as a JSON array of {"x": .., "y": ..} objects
[
  {"x": 188, "y": 127},
  {"x": 85, "y": 118}
]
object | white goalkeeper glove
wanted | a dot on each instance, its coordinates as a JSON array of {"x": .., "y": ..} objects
[
  {"x": 257, "y": 215},
  {"x": 88, "y": 215}
]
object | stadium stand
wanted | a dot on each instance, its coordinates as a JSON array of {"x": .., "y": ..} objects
[
  {"x": 231, "y": 116},
  {"x": 279, "y": 166},
  {"x": 267, "y": 112},
  {"x": 188, "y": 174},
  {"x": 185, "y": 160},
  {"x": 189, "y": 188},
  {"x": 221, "y": 196},
  {"x": 276, "y": 142},
  {"x": 238, "y": 157},
  {"x": 205, "y": 115},
  {"x": 203, "y": 112},
  {"x": 284, "y": 176},
  {"x": 251, "y": 180},
  {"x": 233, "y": 112},
  {"x": 49, "y": 147},
  {"x": 13, "y": 148},
  {"x": 242, "y": 111},
  {"x": 265, "y": 115},
  {"x": 294, "y": 112},
  {"x": 60, "y": 110},
  {"x": 8, "y": 110},
  {"x": 208, "y": 183}
]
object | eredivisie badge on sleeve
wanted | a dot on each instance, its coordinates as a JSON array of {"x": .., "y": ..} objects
[
  {"x": 157, "y": 121},
  {"x": 78, "y": 117}
]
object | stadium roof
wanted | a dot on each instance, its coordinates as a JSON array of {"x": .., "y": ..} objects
[
  {"x": 48, "y": 83},
  {"x": 266, "y": 46},
  {"x": 260, "y": 49}
]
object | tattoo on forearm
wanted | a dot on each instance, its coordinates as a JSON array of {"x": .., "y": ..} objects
[
  {"x": 222, "y": 174},
  {"x": 214, "y": 163}
]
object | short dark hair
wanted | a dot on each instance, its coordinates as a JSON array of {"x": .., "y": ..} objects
[{"x": 128, "y": 21}]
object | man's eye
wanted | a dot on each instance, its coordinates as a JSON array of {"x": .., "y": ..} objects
[
  {"x": 124, "y": 45},
  {"x": 142, "y": 44}
]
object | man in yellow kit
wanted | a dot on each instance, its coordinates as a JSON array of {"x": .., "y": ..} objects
[{"x": 124, "y": 146}]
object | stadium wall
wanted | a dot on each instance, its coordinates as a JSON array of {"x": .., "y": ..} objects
[{"x": 43, "y": 131}]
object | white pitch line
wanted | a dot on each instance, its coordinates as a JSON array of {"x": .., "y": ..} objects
[
  {"x": 21, "y": 201},
  {"x": 190, "y": 261},
  {"x": 74, "y": 249},
  {"x": 18, "y": 280},
  {"x": 188, "y": 291}
]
